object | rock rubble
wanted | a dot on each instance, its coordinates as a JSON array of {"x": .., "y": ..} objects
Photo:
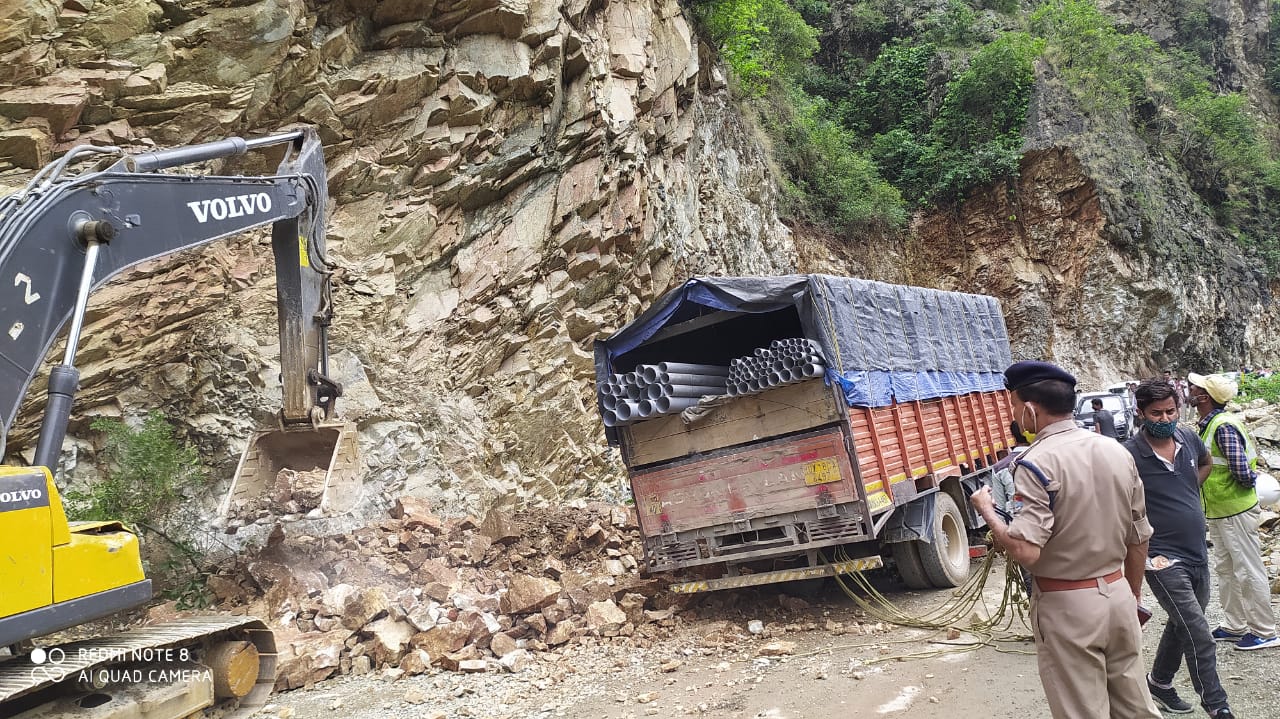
[{"x": 416, "y": 593}]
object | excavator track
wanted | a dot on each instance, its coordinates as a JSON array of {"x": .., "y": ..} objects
[{"x": 60, "y": 673}]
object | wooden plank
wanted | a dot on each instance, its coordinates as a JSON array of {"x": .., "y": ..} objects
[{"x": 781, "y": 410}]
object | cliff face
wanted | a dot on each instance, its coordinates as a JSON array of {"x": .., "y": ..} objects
[
  {"x": 514, "y": 177},
  {"x": 1105, "y": 258}
]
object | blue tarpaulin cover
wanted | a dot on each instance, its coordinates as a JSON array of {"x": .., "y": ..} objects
[{"x": 882, "y": 342}]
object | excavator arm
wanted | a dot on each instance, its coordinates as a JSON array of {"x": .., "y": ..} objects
[{"x": 62, "y": 237}]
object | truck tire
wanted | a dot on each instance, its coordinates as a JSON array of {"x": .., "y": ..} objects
[
  {"x": 945, "y": 560},
  {"x": 907, "y": 557}
]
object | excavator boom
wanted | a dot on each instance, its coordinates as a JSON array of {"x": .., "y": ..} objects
[{"x": 133, "y": 213}]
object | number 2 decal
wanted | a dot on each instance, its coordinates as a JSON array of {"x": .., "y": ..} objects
[{"x": 29, "y": 296}]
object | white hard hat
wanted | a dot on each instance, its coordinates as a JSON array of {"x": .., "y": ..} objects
[{"x": 1268, "y": 489}]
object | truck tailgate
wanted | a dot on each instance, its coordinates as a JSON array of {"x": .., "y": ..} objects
[{"x": 769, "y": 495}]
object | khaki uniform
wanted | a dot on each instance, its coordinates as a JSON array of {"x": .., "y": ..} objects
[{"x": 1088, "y": 641}]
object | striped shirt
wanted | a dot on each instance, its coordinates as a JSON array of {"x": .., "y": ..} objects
[{"x": 1232, "y": 445}]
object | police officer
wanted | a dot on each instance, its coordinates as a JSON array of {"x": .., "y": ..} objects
[{"x": 1081, "y": 528}]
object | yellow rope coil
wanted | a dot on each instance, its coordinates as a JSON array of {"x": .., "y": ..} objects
[{"x": 953, "y": 614}]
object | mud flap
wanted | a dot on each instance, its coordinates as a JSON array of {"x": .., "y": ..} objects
[
  {"x": 326, "y": 457},
  {"x": 912, "y": 521}
]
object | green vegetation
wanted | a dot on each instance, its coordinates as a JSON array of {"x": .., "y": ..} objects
[
  {"x": 879, "y": 107},
  {"x": 1267, "y": 388},
  {"x": 1103, "y": 66},
  {"x": 148, "y": 482},
  {"x": 1170, "y": 97},
  {"x": 759, "y": 39}
]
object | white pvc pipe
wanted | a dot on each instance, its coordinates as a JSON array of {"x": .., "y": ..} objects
[
  {"x": 812, "y": 370},
  {"x": 673, "y": 404},
  {"x": 692, "y": 379},
  {"x": 684, "y": 390},
  {"x": 645, "y": 408},
  {"x": 648, "y": 372},
  {"x": 627, "y": 411},
  {"x": 609, "y": 401},
  {"x": 633, "y": 392},
  {"x": 685, "y": 368}
]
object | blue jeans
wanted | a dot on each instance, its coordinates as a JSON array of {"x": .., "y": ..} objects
[{"x": 1183, "y": 592}]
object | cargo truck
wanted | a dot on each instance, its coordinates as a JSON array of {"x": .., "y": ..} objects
[{"x": 872, "y": 448}]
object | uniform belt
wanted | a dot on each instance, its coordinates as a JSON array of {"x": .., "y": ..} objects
[{"x": 1062, "y": 585}]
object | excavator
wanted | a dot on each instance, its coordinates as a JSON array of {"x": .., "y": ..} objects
[{"x": 62, "y": 236}]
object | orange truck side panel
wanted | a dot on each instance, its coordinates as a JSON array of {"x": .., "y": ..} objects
[
  {"x": 921, "y": 441},
  {"x": 892, "y": 445}
]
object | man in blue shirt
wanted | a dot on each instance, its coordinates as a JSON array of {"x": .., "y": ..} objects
[{"x": 1172, "y": 463}]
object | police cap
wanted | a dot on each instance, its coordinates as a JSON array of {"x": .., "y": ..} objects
[{"x": 1021, "y": 374}]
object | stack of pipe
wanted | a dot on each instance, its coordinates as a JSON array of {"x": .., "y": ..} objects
[
  {"x": 658, "y": 389},
  {"x": 782, "y": 362}
]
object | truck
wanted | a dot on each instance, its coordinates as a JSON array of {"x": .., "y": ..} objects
[
  {"x": 62, "y": 236},
  {"x": 769, "y": 425}
]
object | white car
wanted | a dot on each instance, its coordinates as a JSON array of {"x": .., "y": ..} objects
[{"x": 1113, "y": 403}]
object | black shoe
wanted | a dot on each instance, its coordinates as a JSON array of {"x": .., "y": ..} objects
[
  {"x": 1168, "y": 699},
  {"x": 1223, "y": 713}
]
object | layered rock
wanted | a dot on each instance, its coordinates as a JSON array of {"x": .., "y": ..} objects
[{"x": 511, "y": 179}]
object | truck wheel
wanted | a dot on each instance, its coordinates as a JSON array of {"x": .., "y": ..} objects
[
  {"x": 946, "y": 560},
  {"x": 910, "y": 568}
]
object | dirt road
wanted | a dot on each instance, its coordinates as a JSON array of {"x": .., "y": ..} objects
[{"x": 823, "y": 673}]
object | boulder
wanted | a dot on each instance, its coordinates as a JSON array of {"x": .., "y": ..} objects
[
  {"x": 605, "y": 618},
  {"x": 307, "y": 660},
  {"x": 499, "y": 527},
  {"x": 777, "y": 649},
  {"x": 415, "y": 513},
  {"x": 561, "y": 633},
  {"x": 442, "y": 639},
  {"x": 527, "y": 594},
  {"x": 391, "y": 639},
  {"x": 416, "y": 661},
  {"x": 364, "y": 606},
  {"x": 516, "y": 661},
  {"x": 632, "y": 605},
  {"x": 502, "y": 644}
]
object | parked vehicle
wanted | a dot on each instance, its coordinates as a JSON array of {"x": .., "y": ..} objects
[
  {"x": 774, "y": 470},
  {"x": 1115, "y": 404}
]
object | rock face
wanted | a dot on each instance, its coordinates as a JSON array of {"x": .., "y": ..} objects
[{"x": 511, "y": 178}]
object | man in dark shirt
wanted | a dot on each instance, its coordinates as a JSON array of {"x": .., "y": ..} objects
[
  {"x": 1172, "y": 463},
  {"x": 1104, "y": 423}
]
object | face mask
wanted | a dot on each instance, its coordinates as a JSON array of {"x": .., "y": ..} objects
[{"x": 1161, "y": 430}]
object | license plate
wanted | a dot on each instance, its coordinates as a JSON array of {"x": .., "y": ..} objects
[
  {"x": 877, "y": 501},
  {"x": 824, "y": 471}
]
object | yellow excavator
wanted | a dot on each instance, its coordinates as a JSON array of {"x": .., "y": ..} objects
[{"x": 63, "y": 235}]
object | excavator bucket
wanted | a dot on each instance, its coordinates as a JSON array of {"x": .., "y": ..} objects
[{"x": 313, "y": 472}]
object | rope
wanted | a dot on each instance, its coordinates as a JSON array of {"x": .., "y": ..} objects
[{"x": 954, "y": 614}]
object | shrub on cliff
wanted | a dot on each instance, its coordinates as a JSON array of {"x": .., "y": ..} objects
[{"x": 148, "y": 482}]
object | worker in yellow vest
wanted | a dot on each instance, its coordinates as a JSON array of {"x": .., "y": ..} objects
[{"x": 1231, "y": 507}]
